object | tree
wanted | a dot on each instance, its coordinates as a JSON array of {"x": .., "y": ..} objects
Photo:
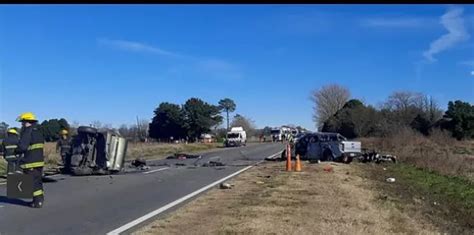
[
  {"x": 246, "y": 123},
  {"x": 52, "y": 127},
  {"x": 353, "y": 120},
  {"x": 169, "y": 121},
  {"x": 460, "y": 121},
  {"x": 327, "y": 101},
  {"x": 3, "y": 129},
  {"x": 228, "y": 106},
  {"x": 200, "y": 117}
]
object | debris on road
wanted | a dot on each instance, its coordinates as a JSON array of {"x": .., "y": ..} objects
[
  {"x": 140, "y": 164},
  {"x": 328, "y": 168},
  {"x": 225, "y": 186},
  {"x": 259, "y": 182},
  {"x": 390, "y": 180},
  {"x": 183, "y": 156}
]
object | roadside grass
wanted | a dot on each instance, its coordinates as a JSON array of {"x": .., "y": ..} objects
[
  {"x": 268, "y": 200},
  {"x": 447, "y": 201},
  {"x": 452, "y": 188},
  {"x": 439, "y": 152}
]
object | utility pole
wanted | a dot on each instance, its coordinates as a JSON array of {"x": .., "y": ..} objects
[{"x": 139, "y": 134}]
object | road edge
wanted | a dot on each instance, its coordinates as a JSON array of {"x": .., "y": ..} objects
[{"x": 134, "y": 223}]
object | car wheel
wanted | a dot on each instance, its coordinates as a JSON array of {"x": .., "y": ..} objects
[
  {"x": 86, "y": 130},
  {"x": 327, "y": 155}
]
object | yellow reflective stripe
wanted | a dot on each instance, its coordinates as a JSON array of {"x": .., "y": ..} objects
[
  {"x": 38, "y": 193},
  {"x": 32, "y": 165},
  {"x": 35, "y": 146},
  {"x": 11, "y": 147}
]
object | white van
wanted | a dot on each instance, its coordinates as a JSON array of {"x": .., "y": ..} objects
[{"x": 236, "y": 137}]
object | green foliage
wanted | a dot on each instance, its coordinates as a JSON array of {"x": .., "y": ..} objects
[
  {"x": 3, "y": 129},
  {"x": 461, "y": 119},
  {"x": 169, "y": 120},
  {"x": 192, "y": 119},
  {"x": 228, "y": 106},
  {"x": 448, "y": 188},
  {"x": 200, "y": 116},
  {"x": 52, "y": 127},
  {"x": 353, "y": 120}
]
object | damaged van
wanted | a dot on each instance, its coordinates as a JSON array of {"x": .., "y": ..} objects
[{"x": 95, "y": 152}]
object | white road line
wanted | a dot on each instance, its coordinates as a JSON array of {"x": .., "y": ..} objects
[
  {"x": 176, "y": 202},
  {"x": 161, "y": 169}
]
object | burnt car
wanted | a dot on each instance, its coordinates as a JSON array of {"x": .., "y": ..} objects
[{"x": 325, "y": 146}]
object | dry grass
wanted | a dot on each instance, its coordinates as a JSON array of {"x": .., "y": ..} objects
[
  {"x": 158, "y": 150},
  {"x": 267, "y": 200},
  {"x": 439, "y": 152}
]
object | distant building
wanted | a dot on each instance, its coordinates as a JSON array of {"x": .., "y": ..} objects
[{"x": 207, "y": 138}]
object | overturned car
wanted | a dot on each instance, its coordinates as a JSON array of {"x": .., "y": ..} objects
[
  {"x": 95, "y": 152},
  {"x": 325, "y": 146}
]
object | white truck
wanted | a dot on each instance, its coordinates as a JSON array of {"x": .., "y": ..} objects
[{"x": 236, "y": 137}]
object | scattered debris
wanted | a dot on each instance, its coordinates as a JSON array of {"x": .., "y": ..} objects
[
  {"x": 212, "y": 164},
  {"x": 436, "y": 203},
  {"x": 373, "y": 156},
  {"x": 140, "y": 164},
  {"x": 328, "y": 168},
  {"x": 183, "y": 156},
  {"x": 384, "y": 169},
  {"x": 390, "y": 180},
  {"x": 259, "y": 182},
  {"x": 225, "y": 186}
]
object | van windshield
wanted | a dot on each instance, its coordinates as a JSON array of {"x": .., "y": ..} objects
[{"x": 233, "y": 135}]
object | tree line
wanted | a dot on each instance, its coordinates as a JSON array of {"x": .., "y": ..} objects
[{"x": 334, "y": 111}]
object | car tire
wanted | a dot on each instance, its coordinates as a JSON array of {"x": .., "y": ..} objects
[
  {"x": 346, "y": 159},
  {"x": 327, "y": 155},
  {"x": 87, "y": 130}
]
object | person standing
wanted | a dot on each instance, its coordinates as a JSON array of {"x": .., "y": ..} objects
[
  {"x": 63, "y": 146},
  {"x": 9, "y": 145},
  {"x": 31, "y": 145}
]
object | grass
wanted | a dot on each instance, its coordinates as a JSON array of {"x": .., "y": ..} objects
[
  {"x": 452, "y": 189},
  {"x": 268, "y": 200},
  {"x": 439, "y": 152}
]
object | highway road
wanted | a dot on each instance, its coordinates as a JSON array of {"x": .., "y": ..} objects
[{"x": 121, "y": 203}]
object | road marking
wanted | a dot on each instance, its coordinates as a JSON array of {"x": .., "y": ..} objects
[
  {"x": 3, "y": 183},
  {"x": 177, "y": 202},
  {"x": 161, "y": 169}
]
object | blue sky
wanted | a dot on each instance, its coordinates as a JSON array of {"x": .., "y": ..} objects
[{"x": 112, "y": 63}]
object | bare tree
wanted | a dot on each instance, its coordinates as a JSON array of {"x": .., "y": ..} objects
[
  {"x": 406, "y": 105},
  {"x": 327, "y": 101},
  {"x": 247, "y": 123}
]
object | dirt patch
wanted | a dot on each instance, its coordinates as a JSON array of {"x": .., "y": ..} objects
[{"x": 268, "y": 200}]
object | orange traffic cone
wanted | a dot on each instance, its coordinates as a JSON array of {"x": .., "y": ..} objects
[
  {"x": 298, "y": 163},
  {"x": 288, "y": 158}
]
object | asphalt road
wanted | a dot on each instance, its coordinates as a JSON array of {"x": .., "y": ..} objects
[{"x": 100, "y": 204}]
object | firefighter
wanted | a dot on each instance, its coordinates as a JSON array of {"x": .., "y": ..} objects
[
  {"x": 63, "y": 146},
  {"x": 9, "y": 145},
  {"x": 31, "y": 145}
]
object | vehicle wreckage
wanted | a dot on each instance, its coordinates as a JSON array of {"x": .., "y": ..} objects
[{"x": 96, "y": 153}]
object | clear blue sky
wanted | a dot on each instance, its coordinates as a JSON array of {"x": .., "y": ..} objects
[{"x": 112, "y": 63}]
